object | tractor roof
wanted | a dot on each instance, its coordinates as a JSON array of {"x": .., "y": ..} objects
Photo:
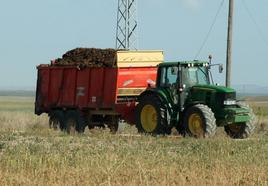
[{"x": 195, "y": 62}]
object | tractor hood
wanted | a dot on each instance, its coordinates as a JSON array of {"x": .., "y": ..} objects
[
  {"x": 212, "y": 88},
  {"x": 214, "y": 96}
]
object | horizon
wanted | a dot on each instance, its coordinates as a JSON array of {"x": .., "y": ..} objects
[{"x": 250, "y": 90}]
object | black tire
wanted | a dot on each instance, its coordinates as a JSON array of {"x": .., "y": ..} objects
[
  {"x": 158, "y": 119},
  {"x": 242, "y": 130},
  {"x": 199, "y": 121},
  {"x": 114, "y": 124},
  {"x": 180, "y": 129},
  {"x": 56, "y": 120},
  {"x": 75, "y": 122},
  {"x": 95, "y": 121}
]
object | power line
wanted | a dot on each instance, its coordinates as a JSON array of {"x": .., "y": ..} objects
[
  {"x": 210, "y": 29},
  {"x": 258, "y": 28}
]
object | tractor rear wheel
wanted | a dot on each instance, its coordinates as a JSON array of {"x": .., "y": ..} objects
[
  {"x": 242, "y": 130},
  {"x": 152, "y": 116},
  {"x": 199, "y": 121},
  {"x": 75, "y": 123},
  {"x": 56, "y": 120}
]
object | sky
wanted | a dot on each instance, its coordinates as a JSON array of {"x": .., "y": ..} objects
[{"x": 33, "y": 32}]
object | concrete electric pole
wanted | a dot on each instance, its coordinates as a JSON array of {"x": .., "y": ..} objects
[
  {"x": 126, "y": 31},
  {"x": 229, "y": 44}
]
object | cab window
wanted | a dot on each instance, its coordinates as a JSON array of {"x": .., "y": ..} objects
[{"x": 169, "y": 76}]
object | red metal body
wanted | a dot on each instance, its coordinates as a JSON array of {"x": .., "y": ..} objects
[{"x": 108, "y": 89}]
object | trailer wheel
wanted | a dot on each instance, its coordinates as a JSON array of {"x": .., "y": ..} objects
[
  {"x": 199, "y": 121},
  {"x": 242, "y": 130},
  {"x": 152, "y": 116},
  {"x": 113, "y": 126},
  {"x": 95, "y": 121},
  {"x": 56, "y": 120},
  {"x": 75, "y": 123}
]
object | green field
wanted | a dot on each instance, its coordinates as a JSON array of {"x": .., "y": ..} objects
[{"x": 32, "y": 154}]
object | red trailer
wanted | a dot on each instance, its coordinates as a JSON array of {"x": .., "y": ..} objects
[{"x": 77, "y": 97}]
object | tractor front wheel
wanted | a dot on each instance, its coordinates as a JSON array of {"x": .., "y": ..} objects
[
  {"x": 199, "y": 121},
  {"x": 241, "y": 130},
  {"x": 152, "y": 116}
]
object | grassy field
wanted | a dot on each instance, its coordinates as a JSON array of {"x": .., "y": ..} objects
[{"x": 32, "y": 154}]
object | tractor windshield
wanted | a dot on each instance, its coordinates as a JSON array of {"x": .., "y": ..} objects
[{"x": 195, "y": 76}]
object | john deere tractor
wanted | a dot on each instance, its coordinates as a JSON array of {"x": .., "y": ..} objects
[{"x": 186, "y": 98}]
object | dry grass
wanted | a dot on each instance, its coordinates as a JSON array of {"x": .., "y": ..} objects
[{"x": 32, "y": 154}]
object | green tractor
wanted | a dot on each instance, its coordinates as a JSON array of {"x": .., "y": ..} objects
[{"x": 186, "y": 98}]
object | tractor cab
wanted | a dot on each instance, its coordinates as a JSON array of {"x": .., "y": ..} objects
[
  {"x": 185, "y": 74},
  {"x": 177, "y": 78}
]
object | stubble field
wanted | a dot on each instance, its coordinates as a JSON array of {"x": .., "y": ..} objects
[{"x": 33, "y": 154}]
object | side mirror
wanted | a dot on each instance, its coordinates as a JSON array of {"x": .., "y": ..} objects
[{"x": 220, "y": 68}]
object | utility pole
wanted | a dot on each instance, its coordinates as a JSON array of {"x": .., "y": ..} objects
[
  {"x": 229, "y": 44},
  {"x": 126, "y": 31}
]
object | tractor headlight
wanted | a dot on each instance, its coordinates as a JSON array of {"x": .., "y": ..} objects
[{"x": 229, "y": 102}]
